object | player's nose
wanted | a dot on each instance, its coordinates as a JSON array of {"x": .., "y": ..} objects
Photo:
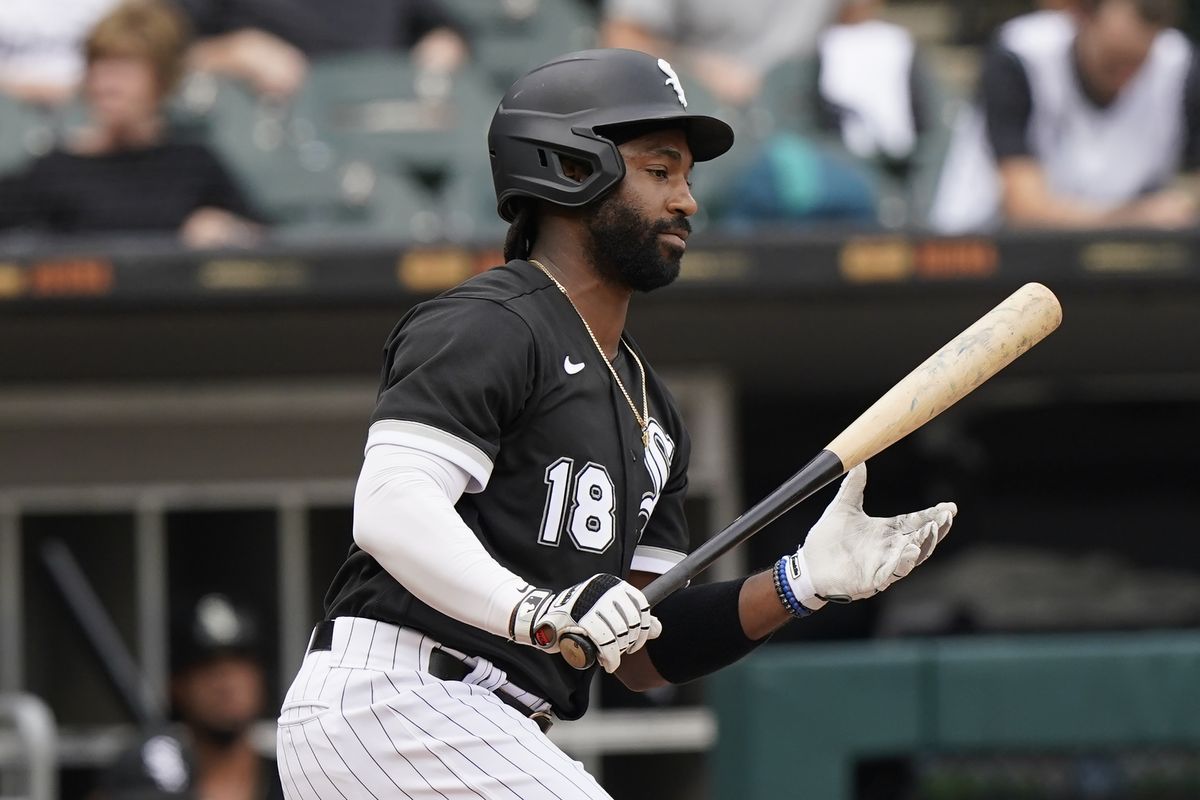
[{"x": 682, "y": 201}]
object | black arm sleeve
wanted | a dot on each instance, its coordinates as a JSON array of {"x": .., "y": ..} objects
[
  {"x": 1191, "y": 107},
  {"x": 1007, "y": 102},
  {"x": 701, "y": 631}
]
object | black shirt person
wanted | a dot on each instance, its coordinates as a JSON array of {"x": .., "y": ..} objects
[{"x": 124, "y": 172}]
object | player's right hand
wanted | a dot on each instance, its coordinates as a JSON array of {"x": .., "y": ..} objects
[{"x": 613, "y": 614}]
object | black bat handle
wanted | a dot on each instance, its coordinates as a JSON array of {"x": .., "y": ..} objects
[{"x": 813, "y": 476}]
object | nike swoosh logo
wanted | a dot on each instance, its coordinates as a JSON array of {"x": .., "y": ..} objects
[{"x": 570, "y": 367}]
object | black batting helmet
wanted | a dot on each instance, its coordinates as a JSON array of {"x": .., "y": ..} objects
[
  {"x": 574, "y": 106},
  {"x": 213, "y": 627}
]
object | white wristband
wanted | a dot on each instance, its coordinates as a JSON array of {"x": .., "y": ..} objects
[{"x": 800, "y": 580}]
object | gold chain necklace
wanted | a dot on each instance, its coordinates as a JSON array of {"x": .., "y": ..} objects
[{"x": 643, "y": 419}]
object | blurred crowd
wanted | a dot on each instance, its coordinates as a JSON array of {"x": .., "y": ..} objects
[{"x": 231, "y": 122}]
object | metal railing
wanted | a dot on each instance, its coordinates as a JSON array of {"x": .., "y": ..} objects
[{"x": 33, "y": 746}]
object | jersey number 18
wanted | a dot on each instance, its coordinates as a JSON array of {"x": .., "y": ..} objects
[{"x": 590, "y": 520}]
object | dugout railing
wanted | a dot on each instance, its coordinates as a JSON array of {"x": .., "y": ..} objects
[{"x": 28, "y": 749}]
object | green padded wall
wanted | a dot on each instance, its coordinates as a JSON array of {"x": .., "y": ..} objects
[{"x": 793, "y": 720}]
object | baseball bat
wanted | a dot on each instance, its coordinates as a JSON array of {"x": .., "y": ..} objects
[{"x": 993, "y": 342}]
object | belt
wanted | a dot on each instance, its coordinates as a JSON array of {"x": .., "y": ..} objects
[{"x": 442, "y": 665}]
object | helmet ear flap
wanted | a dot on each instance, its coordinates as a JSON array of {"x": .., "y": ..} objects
[
  {"x": 570, "y": 167},
  {"x": 528, "y": 167}
]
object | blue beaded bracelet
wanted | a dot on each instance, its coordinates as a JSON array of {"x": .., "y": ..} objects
[{"x": 784, "y": 589}]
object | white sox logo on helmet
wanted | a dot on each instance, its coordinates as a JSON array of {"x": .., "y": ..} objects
[{"x": 673, "y": 81}]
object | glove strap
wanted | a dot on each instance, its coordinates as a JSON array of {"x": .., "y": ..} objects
[
  {"x": 794, "y": 587},
  {"x": 525, "y": 614}
]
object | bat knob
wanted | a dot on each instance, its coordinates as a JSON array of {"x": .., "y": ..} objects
[{"x": 577, "y": 651}]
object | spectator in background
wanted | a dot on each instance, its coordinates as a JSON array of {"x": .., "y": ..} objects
[
  {"x": 217, "y": 693},
  {"x": 41, "y": 58},
  {"x": 847, "y": 157},
  {"x": 123, "y": 172},
  {"x": 870, "y": 86},
  {"x": 1087, "y": 119},
  {"x": 726, "y": 46},
  {"x": 268, "y": 43}
]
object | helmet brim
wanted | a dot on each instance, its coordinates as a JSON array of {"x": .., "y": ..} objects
[{"x": 707, "y": 137}]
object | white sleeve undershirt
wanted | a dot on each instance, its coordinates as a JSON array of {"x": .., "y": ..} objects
[{"x": 404, "y": 517}]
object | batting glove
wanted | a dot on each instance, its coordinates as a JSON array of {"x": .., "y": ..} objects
[
  {"x": 611, "y": 613},
  {"x": 848, "y": 555}
]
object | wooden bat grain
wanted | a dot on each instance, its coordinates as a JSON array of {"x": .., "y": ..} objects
[{"x": 993, "y": 342}]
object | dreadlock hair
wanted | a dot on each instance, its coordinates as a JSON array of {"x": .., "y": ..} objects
[{"x": 522, "y": 232}]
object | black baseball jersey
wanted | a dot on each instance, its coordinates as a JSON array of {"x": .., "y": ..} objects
[{"x": 500, "y": 376}]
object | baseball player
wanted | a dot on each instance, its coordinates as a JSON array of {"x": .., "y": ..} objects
[
  {"x": 217, "y": 693},
  {"x": 525, "y": 471}
]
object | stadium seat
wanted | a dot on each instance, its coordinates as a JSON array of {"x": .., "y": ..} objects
[
  {"x": 469, "y": 203},
  {"x": 932, "y": 145},
  {"x": 349, "y": 197},
  {"x": 302, "y": 183},
  {"x": 377, "y": 106},
  {"x": 510, "y": 37},
  {"x": 25, "y": 133},
  {"x": 355, "y": 203},
  {"x": 787, "y": 94}
]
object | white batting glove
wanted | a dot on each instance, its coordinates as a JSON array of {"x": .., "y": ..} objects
[
  {"x": 848, "y": 555},
  {"x": 612, "y": 614}
]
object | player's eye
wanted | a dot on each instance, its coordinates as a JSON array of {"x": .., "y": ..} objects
[{"x": 658, "y": 172}]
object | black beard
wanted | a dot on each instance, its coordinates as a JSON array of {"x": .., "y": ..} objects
[{"x": 626, "y": 250}]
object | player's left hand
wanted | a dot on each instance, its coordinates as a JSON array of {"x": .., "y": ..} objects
[{"x": 849, "y": 555}]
